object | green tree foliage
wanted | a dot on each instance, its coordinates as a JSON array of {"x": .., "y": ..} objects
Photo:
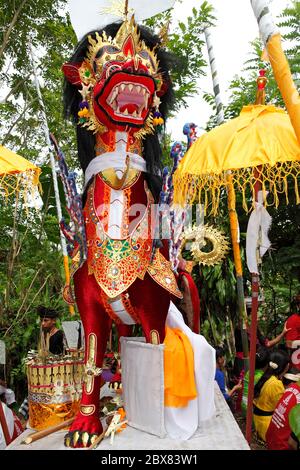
[
  {"x": 43, "y": 27},
  {"x": 31, "y": 274},
  {"x": 186, "y": 42}
]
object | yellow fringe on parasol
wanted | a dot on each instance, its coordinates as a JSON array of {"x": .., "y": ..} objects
[
  {"x": 262, "y": 136},
  {"x": 17, "y": 174}
]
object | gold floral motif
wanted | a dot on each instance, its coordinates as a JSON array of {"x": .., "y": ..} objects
[
  {"x": 110, "y": 177},
  {"x": 116, "y": 264},
  {"x": 128, "y": 28}
]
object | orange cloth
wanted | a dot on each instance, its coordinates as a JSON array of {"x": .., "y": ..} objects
[{"x": 180, "y": 386}]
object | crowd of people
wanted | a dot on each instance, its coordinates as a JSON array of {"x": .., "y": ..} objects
[{"x": 276, "y": 403}]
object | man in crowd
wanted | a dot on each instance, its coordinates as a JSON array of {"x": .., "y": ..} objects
[
  {"x": 292, "y": 337},
  {"x": 278, "y": 433},
  {"x": 48, "y": 318}
]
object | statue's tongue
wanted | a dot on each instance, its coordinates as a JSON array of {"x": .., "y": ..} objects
[
  {"x": 130, "y": 101},
  {"x": 131, "y": 107}
]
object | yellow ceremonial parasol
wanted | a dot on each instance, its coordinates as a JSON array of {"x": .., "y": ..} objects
[
  {"x": 262, "y": 136},
  {"x": 17, "y": 173}
]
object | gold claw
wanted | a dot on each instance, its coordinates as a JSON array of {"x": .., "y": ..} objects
[
  {"x": 67, "y": 441},
  {"x": 93, "y": 438},
  {"x": 76, "y": 436},
  {"x": 85, "y": 438}
]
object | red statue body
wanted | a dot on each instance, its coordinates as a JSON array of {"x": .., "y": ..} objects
[{"x": 124, "y": 279}]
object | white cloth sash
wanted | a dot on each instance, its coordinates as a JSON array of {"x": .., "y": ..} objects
[{"x": 113, "y": 160}]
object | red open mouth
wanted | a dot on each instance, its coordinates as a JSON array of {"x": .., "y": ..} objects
[{"x": 127, "y": 98}]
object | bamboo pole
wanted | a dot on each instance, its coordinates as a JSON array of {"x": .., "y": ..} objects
[
  {"x": 54, "y": 175},
  {"x": 253, "y": 334},
  {"x": 234, "y": 229},
  {"x": 231, "y": 204},
  {"x": 260, "y": 100},
  {"x": 46, "y": 432},
  {"x": 96, "y": 441}
]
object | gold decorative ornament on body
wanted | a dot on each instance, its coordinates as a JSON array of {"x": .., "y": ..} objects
[{"x": 91, "y": 370}]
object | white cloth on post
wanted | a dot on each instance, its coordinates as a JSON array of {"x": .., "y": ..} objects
[{"x": 257, "y": 234}]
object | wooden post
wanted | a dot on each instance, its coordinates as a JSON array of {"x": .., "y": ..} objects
[{"x": 260, "y": 99}]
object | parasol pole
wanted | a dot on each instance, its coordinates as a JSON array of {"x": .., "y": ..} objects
[
  {"x": 260, "y": 100},
  {"x": 54, "y": 175},
  {"x": 233, "y": 218},
  {"x": 253, "y": 333}
]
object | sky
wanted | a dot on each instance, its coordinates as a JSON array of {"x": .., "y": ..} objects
[{"x": 236, "y": 27}]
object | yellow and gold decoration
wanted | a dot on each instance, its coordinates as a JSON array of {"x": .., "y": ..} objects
[
  {"x": 54, "y": 389},
  {"x": 199, "y": 237},
  {"x": 262, "y": 136},
  {"x": 106, "y": 55}
]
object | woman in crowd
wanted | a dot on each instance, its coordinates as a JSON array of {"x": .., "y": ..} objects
[
  {"x": 268, "y": 391},
  {"x": 262, "y": 359}
]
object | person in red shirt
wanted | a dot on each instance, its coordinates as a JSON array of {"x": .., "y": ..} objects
[
  {"x": 292, "y": 336},
  {"x": 279, "y": 430}
]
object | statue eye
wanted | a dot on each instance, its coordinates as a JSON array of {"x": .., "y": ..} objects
[
  {"x": 112, "y": 49},
  {"x": 145, "y": 55}
]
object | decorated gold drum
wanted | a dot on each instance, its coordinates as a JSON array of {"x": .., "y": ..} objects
[{"x": 54, "y": 389}]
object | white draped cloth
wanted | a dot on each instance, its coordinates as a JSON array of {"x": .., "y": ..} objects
[
  {"x": 182, "y": 423},
  {"x": 257, "y": 234},
  {"x": 143, "y": 385}
]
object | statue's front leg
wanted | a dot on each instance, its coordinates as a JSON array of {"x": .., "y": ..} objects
[{"x": 97, "y": 324}]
